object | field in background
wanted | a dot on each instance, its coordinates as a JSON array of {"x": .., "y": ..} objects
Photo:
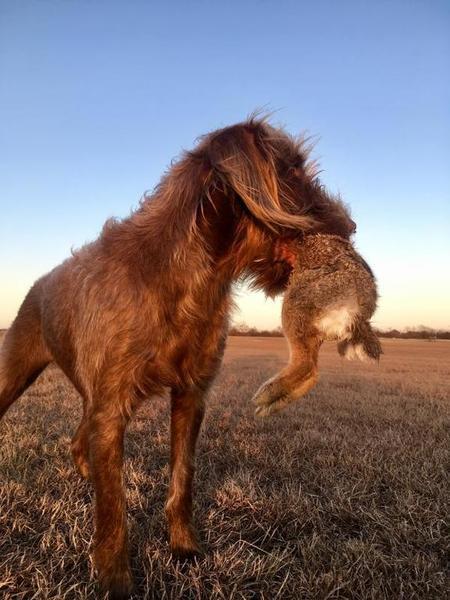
[{"x": 343, "y": 495}]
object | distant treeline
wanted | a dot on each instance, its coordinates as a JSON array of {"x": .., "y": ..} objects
[
  {"x": 419, "y": 333},
  {"x": 252, "y": 331},
  {"x": 424, "y": 333},
  {"x": 416, "y": 334}
]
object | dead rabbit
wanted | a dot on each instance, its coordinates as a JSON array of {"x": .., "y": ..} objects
[{"x": 331, "y": 295}]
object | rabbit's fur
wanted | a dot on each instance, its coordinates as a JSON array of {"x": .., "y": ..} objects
[{"x": 331, "y": 295}]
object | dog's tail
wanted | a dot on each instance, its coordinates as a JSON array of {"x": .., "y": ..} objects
[{"x": 363, "y": 343}]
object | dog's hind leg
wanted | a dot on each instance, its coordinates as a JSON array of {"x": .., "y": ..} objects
[{"x": 23, "y": 354}]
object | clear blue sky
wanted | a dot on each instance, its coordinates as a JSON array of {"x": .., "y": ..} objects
[{"x": 97, "y": 97}]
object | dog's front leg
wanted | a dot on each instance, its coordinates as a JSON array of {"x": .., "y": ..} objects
[
  {"x": 186, "y": 419},
  {"x": 80, "y": 445},
  {"x": 106, "y": 433}
]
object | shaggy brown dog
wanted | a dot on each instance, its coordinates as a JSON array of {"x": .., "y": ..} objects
[{"x": 145, "y": 307}]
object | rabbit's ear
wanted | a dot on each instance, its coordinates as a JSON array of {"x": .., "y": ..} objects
[
  {"x": 366, "y": 347},
  {"x": 371, "y": 344}
]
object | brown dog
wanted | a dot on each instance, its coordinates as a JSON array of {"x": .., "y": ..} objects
[
  {"x": 331, "y": 295},
  {"x": 145, "y": 307}
]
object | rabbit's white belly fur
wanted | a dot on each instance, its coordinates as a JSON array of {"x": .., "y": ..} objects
[{"x": 336, "y": 321}]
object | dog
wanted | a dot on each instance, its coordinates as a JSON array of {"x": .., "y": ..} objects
[
  {"x": 331, "y": 295},
  {"x": 145, "y": 308}
]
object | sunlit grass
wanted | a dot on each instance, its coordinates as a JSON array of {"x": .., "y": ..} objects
[{"x": 343, "y": 495}]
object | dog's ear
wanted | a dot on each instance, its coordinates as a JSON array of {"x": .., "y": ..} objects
[{"x": 243, "y": 163}]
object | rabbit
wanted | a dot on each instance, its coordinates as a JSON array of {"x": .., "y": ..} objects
[{"x": 331, "y": 295}]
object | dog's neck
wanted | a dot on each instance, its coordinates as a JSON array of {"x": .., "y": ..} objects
[
  {"x": 237, "y": 247},
  {"x": 194, "y": 241}
]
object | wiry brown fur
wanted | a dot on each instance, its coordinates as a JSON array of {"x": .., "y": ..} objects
[
  {"x": 331, "y": 295},
  {"x": 145, "y": 307}
]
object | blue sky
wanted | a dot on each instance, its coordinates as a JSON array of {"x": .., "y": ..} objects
[{"x": 97, "y": 97}]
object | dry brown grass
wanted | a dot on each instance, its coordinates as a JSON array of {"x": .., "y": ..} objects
[{"x": 341, "y": 496}]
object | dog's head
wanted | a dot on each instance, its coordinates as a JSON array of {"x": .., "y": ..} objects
[
  {"x": 271, "y": 175},
  {"x": 266, "y": 175}
]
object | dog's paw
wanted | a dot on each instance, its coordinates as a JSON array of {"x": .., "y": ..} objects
[{"x": 117, "y": 585}]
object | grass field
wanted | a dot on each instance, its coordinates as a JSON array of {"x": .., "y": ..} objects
[{"x": 343, "y": 495}]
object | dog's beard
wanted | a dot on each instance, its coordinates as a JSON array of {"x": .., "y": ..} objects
[{"x": 269, "y": 275}]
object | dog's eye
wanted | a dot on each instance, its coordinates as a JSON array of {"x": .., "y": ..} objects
[{"x": 294, "y": 167}]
